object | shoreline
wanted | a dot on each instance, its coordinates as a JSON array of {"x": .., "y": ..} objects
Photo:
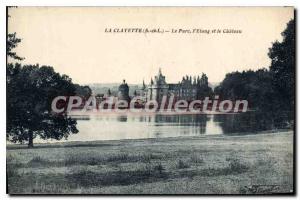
[{"x": 162, "y": 139}]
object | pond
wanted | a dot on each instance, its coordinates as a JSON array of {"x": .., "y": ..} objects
[{"x": 129, "y": 126}]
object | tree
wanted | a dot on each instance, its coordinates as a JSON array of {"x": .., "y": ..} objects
[
  {"x": 282, "y": 67},
  {"x": 254, "y": 86},
  {"x": 269, "y": 91},
  {"x": 11, "y": 43},
  {"x": 30, "y": 91},
  {"x": 83, "y": 91}
]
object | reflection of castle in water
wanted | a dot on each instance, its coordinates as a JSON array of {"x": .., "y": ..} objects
[
  {"x": 188, "y": 89},
  {"x": 126, "y": 126},
  {"x": 183, "y": 124}
]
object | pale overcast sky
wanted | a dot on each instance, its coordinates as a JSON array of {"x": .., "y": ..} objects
[{"x": 74, "y": 42}]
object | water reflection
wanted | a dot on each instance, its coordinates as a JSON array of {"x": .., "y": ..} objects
[
  {"x": 126, "y": 126},
  {"x": 122, "y": 118},
  {"x": 251, "y": 122}
]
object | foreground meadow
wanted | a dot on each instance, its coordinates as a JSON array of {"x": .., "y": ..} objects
[{"x": 250, "y": 164}]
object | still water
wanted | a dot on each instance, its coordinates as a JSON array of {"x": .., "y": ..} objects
[{"x": 126, "y": 126}]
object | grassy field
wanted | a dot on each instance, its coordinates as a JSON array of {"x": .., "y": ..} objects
[{"x": 192, "y": 165}]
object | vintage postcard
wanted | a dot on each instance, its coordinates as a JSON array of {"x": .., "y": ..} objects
[{"x": 150, "y": 100}]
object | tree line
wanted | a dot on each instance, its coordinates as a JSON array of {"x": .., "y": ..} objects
[{"x": 269, "y": 89}]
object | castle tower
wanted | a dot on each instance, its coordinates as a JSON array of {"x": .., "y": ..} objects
[
  {"x": 157, "y": 88},
  {"x": 123, "y": 93}
]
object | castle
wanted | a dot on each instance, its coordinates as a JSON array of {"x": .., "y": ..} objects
[{"x": 187, "y": 89}]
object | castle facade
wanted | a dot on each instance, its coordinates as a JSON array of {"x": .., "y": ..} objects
[{"x": 187, "y": 89}]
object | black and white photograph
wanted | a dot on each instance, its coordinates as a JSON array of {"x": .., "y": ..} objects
[{"x": 150, "y": 100}]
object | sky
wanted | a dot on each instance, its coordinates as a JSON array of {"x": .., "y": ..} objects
[{"x": 73, "y": 40}]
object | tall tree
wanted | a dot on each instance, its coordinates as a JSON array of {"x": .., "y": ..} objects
[
  {"x": 30, "y": 91},
  {"x": 282, "y": 68},
  {"x": 268, "y": 91}
]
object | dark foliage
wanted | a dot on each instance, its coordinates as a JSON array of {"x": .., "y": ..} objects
[
  {"x": 11, "y": 43},
  {"x": 282, "y": 67},
  {"x": 267, "y": 90},
  {"x": 30, "y": 91},
  {"x": 83, "y": 91}
]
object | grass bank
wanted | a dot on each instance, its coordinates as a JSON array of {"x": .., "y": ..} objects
[{"x": 252, "y": 164}]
